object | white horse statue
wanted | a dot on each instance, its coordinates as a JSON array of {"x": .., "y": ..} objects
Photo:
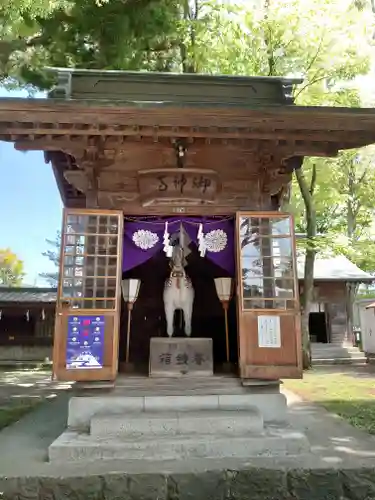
[{"x": 178, "y": 292}]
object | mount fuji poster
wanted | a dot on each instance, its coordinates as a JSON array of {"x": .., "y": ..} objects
[{"x": 85, "y": 342}]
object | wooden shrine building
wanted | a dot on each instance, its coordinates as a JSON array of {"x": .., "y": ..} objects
[{"x": 134, "y": 155}]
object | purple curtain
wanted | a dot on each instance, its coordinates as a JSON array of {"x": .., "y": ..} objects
[
  {"x": 143, "y": 239},
  {"x": 219, "y": 239}
]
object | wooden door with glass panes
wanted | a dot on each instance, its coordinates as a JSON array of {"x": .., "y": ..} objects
[
  {"x": 269, "y": 322},
  {"x": 89, "y": 296}
]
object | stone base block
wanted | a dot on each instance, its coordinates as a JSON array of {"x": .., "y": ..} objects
[
  {"x": 177, "y": 357},
  {"x": 72, "y": 446},
  {"x": 273, "y": 407},
  {"x": 188, "y": 423}
]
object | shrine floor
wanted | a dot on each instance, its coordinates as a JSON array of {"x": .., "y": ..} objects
[{"x": 339, "y": 464}]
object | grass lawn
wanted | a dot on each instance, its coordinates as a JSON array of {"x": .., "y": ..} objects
[
  {"x": 347, "y": 393},
  {"x": 14, "y": 382},
  {"x": 11, "y": 413}
]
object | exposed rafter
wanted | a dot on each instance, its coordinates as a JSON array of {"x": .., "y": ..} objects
[{"x": 114, "y": 142}]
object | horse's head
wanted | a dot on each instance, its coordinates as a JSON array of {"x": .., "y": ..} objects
[{"x": 177, "y": 260}]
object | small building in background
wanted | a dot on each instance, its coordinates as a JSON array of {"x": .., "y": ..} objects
[
  {"x": 366, "y": 313},
  {"x": 329, "y": 321},
  {"x": 27, "y": 317}
]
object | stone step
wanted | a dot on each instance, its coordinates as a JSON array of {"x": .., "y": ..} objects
[
  {"x": 72, "y": 446},
  {"x": 328, "y": 347},
  {"x": 335, "y": 347},
  {"x": 82, "y": 409},
  {"x": 339, "y": 361},
  {"x": 177, "y": 423},
  {"x": 129, "y": 381},
  {"x": 143, "y": 386},
  {"x": 336, "y": 353}
]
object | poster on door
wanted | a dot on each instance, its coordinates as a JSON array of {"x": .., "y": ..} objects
[
  {"x": 269, "y": 334},
  {"x": 85, "y": 342}
]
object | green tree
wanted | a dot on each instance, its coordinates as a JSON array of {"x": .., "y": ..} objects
[
  {"x": 19, "y": 25},
  {"x": 309, "y": 39},
  {"x": 344, "y": 203},
  {"x": 117, "y": 34},
  {"x": 53, "y": 255},
  {"x": 11, "y": 269}
]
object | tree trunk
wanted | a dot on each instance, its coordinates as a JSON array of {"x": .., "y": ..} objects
[
  {"x": 351, "y": 293},
  {"x": 190, "y": 15},
  {"x": 267, "y": 40},
  {"x": 351, "y": 221},
  {"x": 350, "y": 216},
  {"x": 310, "y": 252}
]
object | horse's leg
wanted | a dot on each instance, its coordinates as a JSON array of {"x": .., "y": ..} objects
[
  {"x": 169, "y": 312},
  {"x": 188, "y": 313}
]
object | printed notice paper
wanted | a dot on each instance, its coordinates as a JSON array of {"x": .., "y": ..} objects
[{"x": 269, "y": 331}]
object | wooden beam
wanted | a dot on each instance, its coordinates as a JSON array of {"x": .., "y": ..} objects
[
  {"x": 326, "y": 137},
  {"x": 307, "y": 148},
  {"x": 84, "y": 114},
  {"x": 75, "y": 145},
  {"x": 67, "y": 146}
]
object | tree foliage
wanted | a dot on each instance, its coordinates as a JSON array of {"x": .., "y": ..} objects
[
  {"x": 53, "y": 255},
  {"x": 118, "y": 34},
  {"x": 344, "y": 204},
  {"x": 19, "y": 26},
  {"x": 278, "y": 37},
  {"x": 11, "y": 269}
]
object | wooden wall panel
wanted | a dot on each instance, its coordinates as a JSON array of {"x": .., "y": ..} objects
[
  {"x": 261, "y": 356},
  {"x": 246, "y": 173}
]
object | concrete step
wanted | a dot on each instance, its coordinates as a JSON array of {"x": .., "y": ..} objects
[
  {"x": 328, "y": 347},
  {"x": 186, "y": 423},
  {"x": 334, "y": 346},
  {"x": 82, "y": 409},
  {"x": 216, "y": 385},
  {"x": 181, "y": 385},
  {"x": 339, "y": 361},
  {"x": 79, "y": 447},
  {"x": 337, "y": 354}
]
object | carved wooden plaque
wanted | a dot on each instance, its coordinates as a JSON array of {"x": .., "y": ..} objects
[
  {"x": 178, "y": 357},
  {"x": 178, "y": 186}
]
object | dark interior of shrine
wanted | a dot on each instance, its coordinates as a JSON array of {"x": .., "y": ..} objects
[{"x": 148, "y": 318}]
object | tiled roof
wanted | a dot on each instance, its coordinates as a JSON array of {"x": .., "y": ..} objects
[{"x": 28, "y": 294}]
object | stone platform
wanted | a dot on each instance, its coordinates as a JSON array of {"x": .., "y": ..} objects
[
  {"x": 223, "y": 419},
  {"x": 178, "y": 357},
  {"x": 74, "y": 446},
  {"x": 339, "y": 465}
]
